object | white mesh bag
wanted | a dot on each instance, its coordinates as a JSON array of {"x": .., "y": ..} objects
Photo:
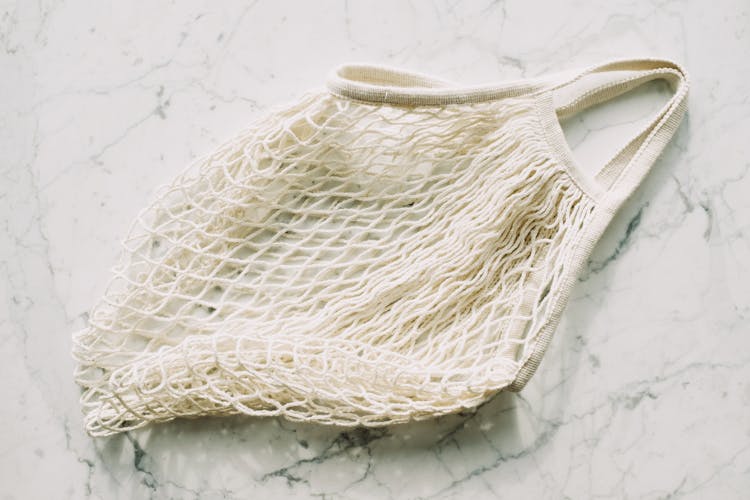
[{"x": 388, "y": 247}]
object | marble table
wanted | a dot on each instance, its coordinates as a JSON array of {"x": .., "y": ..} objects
[{"x": 645, "y": 389}]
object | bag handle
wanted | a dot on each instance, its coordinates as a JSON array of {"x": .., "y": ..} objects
[
  {"x": 378, "y": 83},
  {"x": 626, "y": 169}
]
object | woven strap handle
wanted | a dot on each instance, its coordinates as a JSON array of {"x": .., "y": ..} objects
[
  {"x": 627, "y": 168},
  {"x": 619, "y": 177}
]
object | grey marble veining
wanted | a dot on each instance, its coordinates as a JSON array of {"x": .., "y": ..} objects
[{"x": 645, "y": 390}]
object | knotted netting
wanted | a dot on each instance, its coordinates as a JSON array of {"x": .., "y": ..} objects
[{"x": 339, "y": 261}]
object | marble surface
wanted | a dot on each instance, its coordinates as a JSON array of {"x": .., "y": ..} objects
[{"x": 645, "y": 390}]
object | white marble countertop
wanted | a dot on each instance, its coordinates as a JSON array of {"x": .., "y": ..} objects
[{"x": 645, "y": 389}]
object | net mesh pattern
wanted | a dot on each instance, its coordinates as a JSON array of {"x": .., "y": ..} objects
[{"x": 339, "y": 261}]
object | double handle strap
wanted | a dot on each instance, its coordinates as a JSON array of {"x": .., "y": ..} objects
[{"x": 617, "y": 179}]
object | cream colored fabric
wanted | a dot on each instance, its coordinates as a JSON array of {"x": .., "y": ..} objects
[{"x": 388, "y": 247}]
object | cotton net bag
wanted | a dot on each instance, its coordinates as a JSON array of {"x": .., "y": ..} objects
[{"x": 387, "y": 247}]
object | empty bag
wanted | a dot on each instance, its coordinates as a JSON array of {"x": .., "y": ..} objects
[{"x": 389, "y": 246}]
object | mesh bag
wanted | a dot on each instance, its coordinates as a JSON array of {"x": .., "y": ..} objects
[{"x": 387, "y": 247}]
